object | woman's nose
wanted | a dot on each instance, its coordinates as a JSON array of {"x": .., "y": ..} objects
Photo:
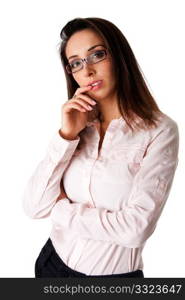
[{"x": 88, "y": 69}]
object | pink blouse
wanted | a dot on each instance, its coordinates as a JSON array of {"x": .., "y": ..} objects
[{"x": 115, "y": 196}]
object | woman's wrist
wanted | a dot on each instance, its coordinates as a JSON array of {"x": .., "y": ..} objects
[{"x": 67, "y": 136}]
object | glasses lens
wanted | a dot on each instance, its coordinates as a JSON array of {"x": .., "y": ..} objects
[
  {"x": 75, "y": 66},
  {"x": 97, "y": 56}
]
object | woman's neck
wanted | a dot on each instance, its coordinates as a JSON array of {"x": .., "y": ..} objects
[
  {"x": 108, "y": 113},
  {"x": 108, "y": 109}
]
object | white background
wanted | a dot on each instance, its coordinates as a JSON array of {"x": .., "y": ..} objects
[{"x": 33, "y": 88}]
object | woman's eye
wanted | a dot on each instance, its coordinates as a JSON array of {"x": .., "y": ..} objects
[
  {"x": 75, "y": 64},
  {"x": 99, "y": 54}
]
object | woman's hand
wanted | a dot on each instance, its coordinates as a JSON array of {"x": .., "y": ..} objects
[{"x": 75, "y": 113}]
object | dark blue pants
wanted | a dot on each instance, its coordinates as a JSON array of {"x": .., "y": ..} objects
[{"x": 49, "y": 265}]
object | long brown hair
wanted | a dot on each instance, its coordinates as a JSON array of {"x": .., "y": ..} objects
[{"x": 134, "y": 98}]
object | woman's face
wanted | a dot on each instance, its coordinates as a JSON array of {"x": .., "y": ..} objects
[{"x": 79, "y": 45}]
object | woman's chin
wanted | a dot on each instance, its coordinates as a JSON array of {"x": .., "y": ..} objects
[{"x": 98, "y": 95}]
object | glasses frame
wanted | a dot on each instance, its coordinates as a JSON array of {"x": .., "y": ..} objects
[{"x": 83, "y": 60}]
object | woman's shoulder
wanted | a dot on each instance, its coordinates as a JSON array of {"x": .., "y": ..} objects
[
  {"x": 166, "y": 121},
  {"x": 165, "y": 125},
  {"x": 166, "y": 128}
]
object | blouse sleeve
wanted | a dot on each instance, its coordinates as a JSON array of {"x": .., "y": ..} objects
[
  {"x": 43, "y": 187},
  {"x": 135, "y": 222}
]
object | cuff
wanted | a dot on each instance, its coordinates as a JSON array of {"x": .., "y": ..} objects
[{"x": 60, "y": 148}]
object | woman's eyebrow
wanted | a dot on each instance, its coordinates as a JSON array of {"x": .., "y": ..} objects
[{"x": 89, "y": 49}]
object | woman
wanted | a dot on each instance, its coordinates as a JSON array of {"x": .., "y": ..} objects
[{"x": 108, "y": 170}]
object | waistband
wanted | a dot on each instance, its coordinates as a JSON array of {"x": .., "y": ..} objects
[{"x": 49, "y": 255}]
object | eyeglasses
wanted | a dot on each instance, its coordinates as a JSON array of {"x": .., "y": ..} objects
[{"x": 93, "y": 58}]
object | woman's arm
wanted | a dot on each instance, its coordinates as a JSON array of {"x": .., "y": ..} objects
[
  {"x": 43, "y": 187},
  {"x": 136, "y": 221}
]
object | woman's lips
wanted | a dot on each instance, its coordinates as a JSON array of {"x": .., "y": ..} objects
[{"x": 96, "y": 85}]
